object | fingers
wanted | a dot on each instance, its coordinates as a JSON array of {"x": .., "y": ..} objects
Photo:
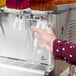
[
  {"x": 48, "y": 30},
  {"x": 39, "y": 31},
  {"x": 45, "y": 35},
  {"x": 38, "y": 37}
]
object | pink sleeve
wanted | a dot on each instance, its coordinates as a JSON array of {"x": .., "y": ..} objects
[{"x": 64, "y": 50}]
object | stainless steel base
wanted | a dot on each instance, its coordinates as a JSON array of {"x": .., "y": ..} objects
[{"x": 16, "y": 67}]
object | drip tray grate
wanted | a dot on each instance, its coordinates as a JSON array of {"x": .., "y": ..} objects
[{"x": 22, "y": 63}]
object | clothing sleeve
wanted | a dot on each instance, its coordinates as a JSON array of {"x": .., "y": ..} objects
[{"x": 64, "y": 50}]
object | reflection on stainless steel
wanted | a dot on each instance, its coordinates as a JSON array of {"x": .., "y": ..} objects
[{"x": 66, "y": 25}]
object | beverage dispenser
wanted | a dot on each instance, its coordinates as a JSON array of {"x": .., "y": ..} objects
[{"x": 19, "y": 54}]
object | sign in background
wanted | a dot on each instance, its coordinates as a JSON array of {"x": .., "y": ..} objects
[{"x": 34, "y": 4}]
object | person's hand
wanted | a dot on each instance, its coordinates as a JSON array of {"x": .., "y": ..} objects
[{"x": 47, "y": 35}]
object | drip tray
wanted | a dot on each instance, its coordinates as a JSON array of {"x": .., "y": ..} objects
[
  {"x": 27, "y": 65},
  {"x": 23, "y": 63}
]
